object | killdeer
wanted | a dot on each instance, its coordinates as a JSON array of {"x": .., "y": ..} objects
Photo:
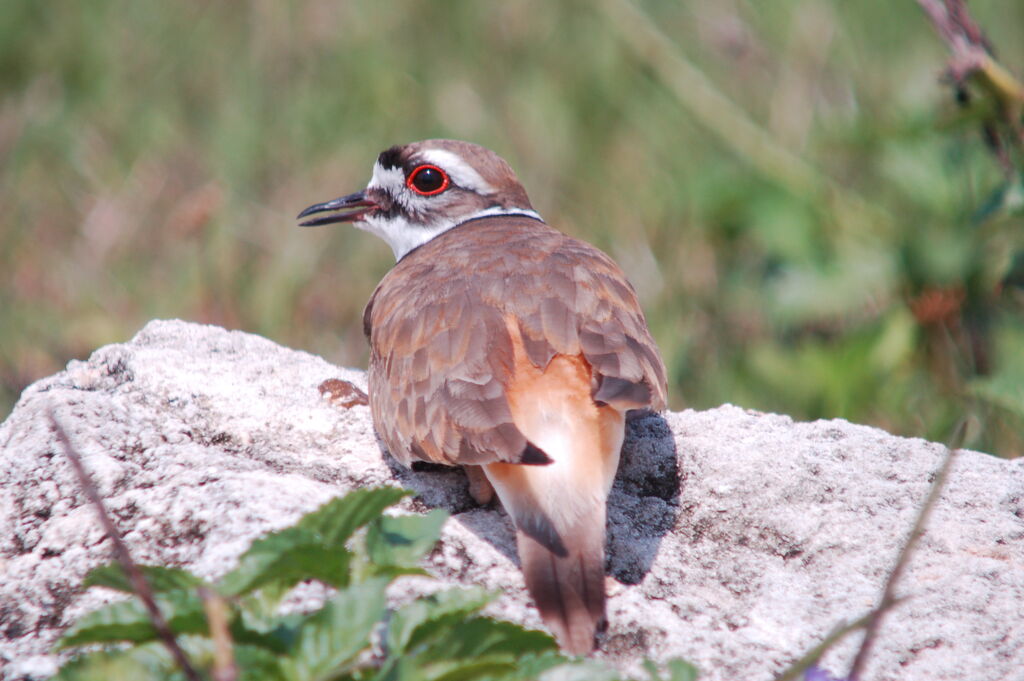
[{"x": 500, "y": 344}]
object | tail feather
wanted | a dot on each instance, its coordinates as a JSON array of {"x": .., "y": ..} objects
[
  {"x": 568, "y": 584},
  {"x": 559, "y": 506}
]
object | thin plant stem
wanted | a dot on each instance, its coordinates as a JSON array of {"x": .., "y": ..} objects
[
  {"x": 224, "y": 666},
  {"x": 815, "y": 653},
  {"x": 889, "y": 593}
]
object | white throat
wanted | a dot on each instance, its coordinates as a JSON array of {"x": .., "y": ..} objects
[{"x": 403, "y": 236}]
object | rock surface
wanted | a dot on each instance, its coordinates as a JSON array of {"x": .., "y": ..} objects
[{"x": 739, "y": 539}]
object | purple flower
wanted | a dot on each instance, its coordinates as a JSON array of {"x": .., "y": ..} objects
[{"x": 816, "y": 673}]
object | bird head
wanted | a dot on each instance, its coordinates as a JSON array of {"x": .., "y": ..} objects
[{"x": 424, "y": 189}]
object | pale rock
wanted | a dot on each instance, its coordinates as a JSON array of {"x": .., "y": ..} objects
[{"x": 739, "y": 539}]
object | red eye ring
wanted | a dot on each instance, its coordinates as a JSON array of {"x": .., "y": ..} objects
[{"x": 427, "y": 180}]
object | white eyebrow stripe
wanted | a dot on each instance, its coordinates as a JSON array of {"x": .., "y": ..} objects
[
  {"x": 460, "y": 172},
  {"x": 384, "y": 177}
]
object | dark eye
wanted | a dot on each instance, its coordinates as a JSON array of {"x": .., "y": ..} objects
[{"x": 427, "y": 180}]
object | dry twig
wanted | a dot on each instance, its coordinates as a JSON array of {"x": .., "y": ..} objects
[{"x": 973, "y": 60}]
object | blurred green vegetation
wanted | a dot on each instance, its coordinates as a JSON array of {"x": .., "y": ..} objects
[{"x": 154, "y": 155}]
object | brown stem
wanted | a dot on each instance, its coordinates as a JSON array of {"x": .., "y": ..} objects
[{"x": 972, "y": 55}]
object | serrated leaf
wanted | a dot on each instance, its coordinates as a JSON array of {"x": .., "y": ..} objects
[
  {"x": 403, "y": 540},
  {"x": 314, "y": 548},
  {"x": 411, "y": 624},
  {"x": 332, "y": 636},
  {"x": 484, "y": 635},
  {"x": 338, "y": 519},
  {"x": 129, "y": 620},
  {"x": 160, "y": 579},
  {"x": 286, "y": 558},
  {"x": 485, "y": 667},
  {"x": 479, "y": 636}
]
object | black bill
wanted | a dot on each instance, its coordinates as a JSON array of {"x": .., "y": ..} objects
[{"x": 344, "y": 209}]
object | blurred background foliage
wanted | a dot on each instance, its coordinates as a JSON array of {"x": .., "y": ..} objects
[{"x": 154, "y": 155}]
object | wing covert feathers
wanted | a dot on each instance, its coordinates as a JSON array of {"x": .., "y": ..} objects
[{"x": 441, "y": 350}]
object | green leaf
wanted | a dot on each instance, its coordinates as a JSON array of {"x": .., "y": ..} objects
[
  {"x": 256, "y": 663},
  {"x": 149, "y": 662},
  {"x": 338, "y": 519},
  {"x": 287, "y": 558},
  {"x": 681, "y": 670},
  {"x": 441, "y": 645},
  {"x": 580, "y": 670},
  {"x": 678, "y": 670},
  {"x": 485, "y": 667},
  {"x": 314, "y": 548},
  {"x": 403, "y": 540},
  {"x": 273, "y": 632},
  {"x": 152, "y": 661},
  {"x": 129, "y": 620},
  {"x": 261, "y": 606},
  {"x": 485, "y": 635},
  {"x": 425, "y": 616},
  {"x": 160, "y": 579},
  {"x": 479, "y": 636},
  {"x": 332, "y": 636},
  {"x": 530, "y": 667},
  {"x": 393, "y": 571}
]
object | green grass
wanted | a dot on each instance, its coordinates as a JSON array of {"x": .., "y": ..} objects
[{"x": 154, "y": 155}]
